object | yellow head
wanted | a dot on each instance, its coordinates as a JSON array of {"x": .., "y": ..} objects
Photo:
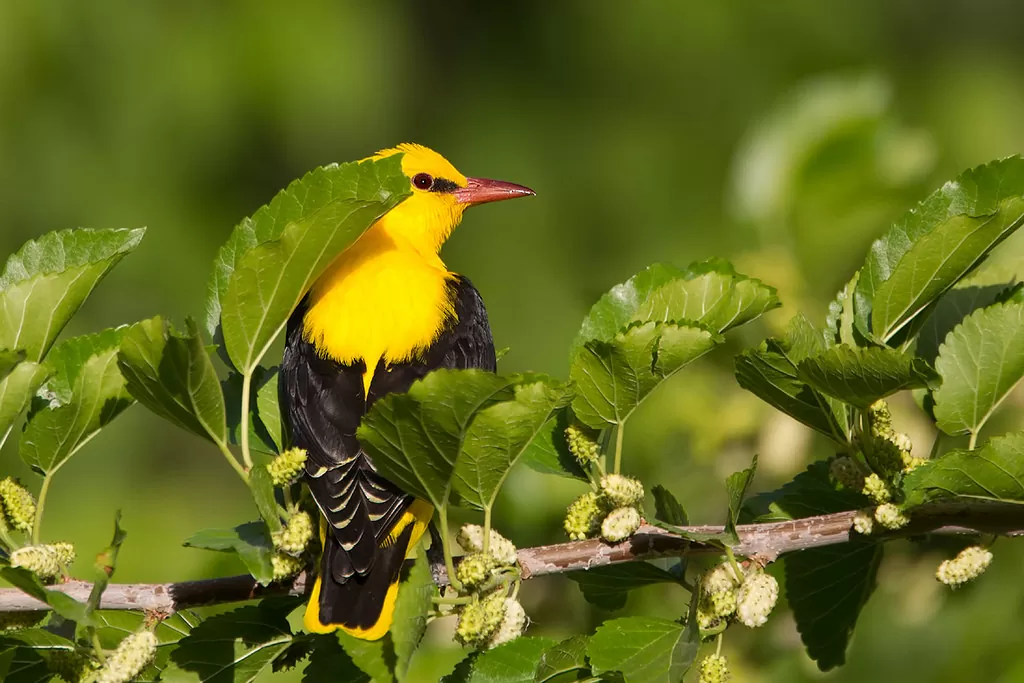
[{"x": 440, "y": 194}]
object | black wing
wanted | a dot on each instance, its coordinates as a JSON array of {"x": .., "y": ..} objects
[{"x": 324, "y": 403}]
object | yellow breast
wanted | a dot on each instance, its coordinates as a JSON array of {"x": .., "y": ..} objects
[{"x": 379, "y": 300}]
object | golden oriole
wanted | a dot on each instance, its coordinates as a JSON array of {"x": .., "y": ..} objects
[{"x": 383, "y": 315}]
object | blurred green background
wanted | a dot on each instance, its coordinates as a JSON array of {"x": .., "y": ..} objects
[{"x": 784, "y": 136}]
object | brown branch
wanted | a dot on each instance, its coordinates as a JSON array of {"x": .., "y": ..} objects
[{"x": 763, "y": 542}]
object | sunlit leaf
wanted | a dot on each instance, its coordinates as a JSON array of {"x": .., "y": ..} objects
[
  {"x": 17, "y": 390},
  {"x": 249, "y": 541},
  {"x": 994, "y": 472},
  {"x": 549, "y": 452},
  {"x": 736, "y": 486},
  {"x": 513, "y": 662},
  {"x": 861, "y": 376},
  {"x": 62, "y": 603},
  {"x": 267, "y": 408},
  {"x": 563, "y": 662},
  {"x": 952, "y": 308},
  {"x": 643, "y": 649},
  {"x": 666, "y": 508},
  {"x": 411, "y": 609}
]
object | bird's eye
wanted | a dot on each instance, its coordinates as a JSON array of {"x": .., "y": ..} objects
[{"x": 422, "y": 180}]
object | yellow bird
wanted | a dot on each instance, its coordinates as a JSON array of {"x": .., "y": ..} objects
[{"x": 383, "y": 315}]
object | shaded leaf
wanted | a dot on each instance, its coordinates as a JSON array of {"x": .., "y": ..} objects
[
  {"x": 810, "y": 493},
  {"x": 55, "y": 433},
  {"x": 608, "y": 587},
  {"x": 980, "y": 362},
  {"x": 826, "y": 588},
  {"x": 643, "y": 649},
  {"x": 375, "y": 657},
  {"x": 262, "y": 489},
  {"x": 233, "y": 647},
  {"x": 415, "y": 438},
  {"x": 411, "y": 609},
  {"x": 268, "y": 280},
  {"x": 952, "y": 308},
  {"x": 267, "y": 407},
  {"x": 62, "y": 604},
  {"x": 172, "y": 375},
  {"x": 937, "y": 243},
  {"x": 499, "y": 434},
  {"x": 17, "y": 390},
  {"x": 9, "y": 360},
  {"x": 513, "y": 662},
  {"x": 48, "y": 279},
  {"x": 259, "y": 437},
  {"x": 25, "y": 653},
  {"x": 666, "y": 508},
  {"x": 994, "y": 472},
  {"x": 736, "y": 486},
  {"x": 548, "y": 452},
  {"x": 566, "y": 661},
  {"x": 250, "y": 541},
  {"x": 613, "y": 377},
  {"x": 330, "y": 662},
  {"x": 861, "y": 376}
]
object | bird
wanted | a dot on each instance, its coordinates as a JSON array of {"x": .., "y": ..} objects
[{"x": 384, "y": 313}]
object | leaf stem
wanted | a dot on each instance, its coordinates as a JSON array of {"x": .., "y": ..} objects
[
  {"x": 486, "y": 542},
  {"x": 461, "y": 600},
  {"x": 619, "y": 431},
  {"x": 446, "y": 548},
  {"x": 233, "y": 461},
  {"x": 735, "y": 565},
  {"x": 718, "y": 647},
  {"x": 246, "y": 390},
  {"x": 37, "y": 524},
  {"x": 973, "y": 441},
  {"x": 5, "y": 538},
  {"x": 97, "y": 646}
]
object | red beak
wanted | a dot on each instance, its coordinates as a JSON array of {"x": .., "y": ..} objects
[{"x": 482, "y": 190}]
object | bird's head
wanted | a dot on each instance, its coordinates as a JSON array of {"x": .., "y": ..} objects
[{"x": 440, "y": 194}]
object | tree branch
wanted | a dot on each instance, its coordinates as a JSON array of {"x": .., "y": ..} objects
[{"x": 763, "y": 542}]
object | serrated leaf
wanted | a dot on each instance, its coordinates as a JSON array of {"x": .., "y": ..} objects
[
  {"x": 267, "y": 408},
  {"x": 234, "y": 647},
  {"x": 67, "y": 359},
  {"x": 936, "y": 244},
  {"x": 549, "y": 453},
  {"x": 666, "y": 508},
  {"x": 330, "y": 662},
  {"x": 826, "y": 588},
  {"x": 810, "y": 493},
  {"x": 249, "y": 541},
  {"x": 608, "y": 587},
  {"x": 709, "y": 292},
  {"x": 771, "y": 376},
  {"x": 25, "y": 652},
  {"x": 375, "y": 657},
  {"x": 47, "y": 280},
  {"x": 613, "y": 377},
  {"x": 839, "y": 322},
  {"x": 55, "y": 433},
  {"x": 994, "y": 472},
  {"x": 513, "y": 662},
  {"x": 861, "y": 376},
  {"x": 736, "y": 486},
  {"x": 499, "y": 434},
  {"x": 270, "y": 279},
  {"x": 980, "y": 362},
  {"x": 561, "y": 661},
  {"x": 415, "y": 438},
  {"x": 643, "y": 649},
  {"x": 172, "y": 375},
  {"x": 17, "y": 390},
  {"x": 61, "y": 603},
  {"x": 952, "y": 308},
  {"x": 411, "y": 609}
]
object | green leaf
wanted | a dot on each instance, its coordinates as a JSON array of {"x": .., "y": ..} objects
[
  {"x": 513, "y": 662},
  {"x": 249, "y": 541},
  {"x": 415, "y": 438},
  {"x": 936, "y": 244},
  {"x": 259, "y": 437},
  {"x": 267, "y": 408},
  {"x": 710, "y": 292},
  {"x": 608, "y": 587},
  {"x": 17, "y": 390},
  {"x": 549, "y": 453},
  {"x": 644, "y": 649},
  {"x": 736, "y": 486},
  {"x": 952, "y": 308},
  {"x": 67, "y": 359},
  {"x": 563, "y": 662},
  {"x": 114, "y": 625},
  {"x": 61, "y": 603},
  {"x": 172, "y": 375},
  {"x": 411, "y": 609},
  {"x": 106, "y": 562},
  {"x": 330, "y": 662},
  {"x": 839, "y": 323},
  {"x": 499, "y": 434},
  {"x": 861, "y": 376},
  {"x": 826, "y": 588},
  {"x": 9, "y": 360},
  {"x": 666, "y": 508},
  {"x": 234, "y": 647},
  {"x": 267, "y": 281},
  {"x": 375, "y": 657},
  {"x": 55, "y": 433},
  {"x": 613, "y": 377},
  {"x": 30, "y": 647},
  {"x": 994, "y": 472},
  {"x": 47, "y": 280},
  {"x": 810, "y": 493},
  {"x": 262, "y": 489},
  {"x": 981, "y": 361}
]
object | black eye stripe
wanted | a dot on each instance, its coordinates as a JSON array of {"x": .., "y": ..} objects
[{"x": 443, "y": 185}]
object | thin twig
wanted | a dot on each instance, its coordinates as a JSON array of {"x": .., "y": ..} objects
[{"x": 763, "y": 542}]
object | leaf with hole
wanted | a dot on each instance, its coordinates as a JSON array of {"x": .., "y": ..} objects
[{"x": 48, "y": 279}]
